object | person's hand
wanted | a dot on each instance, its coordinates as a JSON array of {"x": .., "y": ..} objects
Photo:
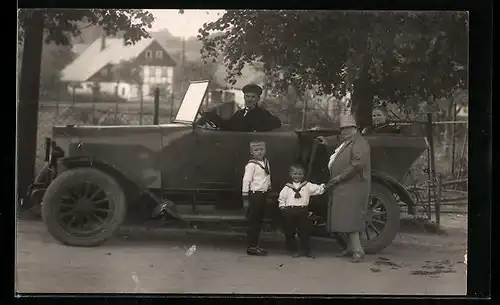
[
  {"x": 331, "y": 183},
  {"x": 321, "y": 140}
]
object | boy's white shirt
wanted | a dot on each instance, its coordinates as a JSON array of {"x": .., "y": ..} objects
[
  {"x": 255, "y": 178},
  {"x": 287, "y": 195}
]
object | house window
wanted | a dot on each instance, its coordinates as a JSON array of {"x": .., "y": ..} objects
[
  {"x": 158, "y": 72},
  {"x": 104, "y": 72},
  {"x": 156, "y": 75},
  {"x": 146, "y": 71},
  {"x": 159, "y": 54},
  {"x": 123, "y": 91},
  {"x": 149, "y": 54}
]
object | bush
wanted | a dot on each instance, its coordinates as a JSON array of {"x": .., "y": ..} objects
[{"x": 102, "y": 97}]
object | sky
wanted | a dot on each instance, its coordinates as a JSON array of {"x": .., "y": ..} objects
[{"x": 183, "y": 25}]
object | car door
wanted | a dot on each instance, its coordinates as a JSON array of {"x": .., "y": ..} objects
[
  {"x": 216, "y": 152},
  {"x": 177, "y": 157}
]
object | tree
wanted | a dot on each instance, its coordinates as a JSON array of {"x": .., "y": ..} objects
[
  {"x": 129, "y": 71},
  {"x": 59, "y": 25},
  {"x": 54, "y": 59},
  {"x": 389, "y": 55},
  {"x": 194, "y": 70}
]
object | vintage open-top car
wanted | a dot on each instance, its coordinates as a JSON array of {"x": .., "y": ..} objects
[{"x": 193, "y": 174}]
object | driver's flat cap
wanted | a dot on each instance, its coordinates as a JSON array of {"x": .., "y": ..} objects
[{"x": 252, "y": 88}]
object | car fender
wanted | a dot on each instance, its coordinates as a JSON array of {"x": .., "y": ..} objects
[
  {"x": 396, "y": 187},
  {"x": 133, "y": 189}
]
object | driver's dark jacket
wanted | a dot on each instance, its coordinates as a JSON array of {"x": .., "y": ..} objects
[{"x": 256, "y": 119}]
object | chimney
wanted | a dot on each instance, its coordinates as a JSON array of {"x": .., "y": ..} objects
[{"x": 103, "y": 40}]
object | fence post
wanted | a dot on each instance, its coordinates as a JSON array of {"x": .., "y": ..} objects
[
  {"x": 57, "y": 106},
  {"x": 94, "y": 97},
  {"x": 429, "y": 184},
  {"x": 453, "y": 137},
  {"x": 172, "y": 107},
  {"x": 157, "y": 107},
  {"x": 142, "y": 105},
  {"x": 116, "y": 105},
  {"x": 432, "y": 159},
  {"x": 304, "y": 112},
  {"x": 438, "y": 199}
]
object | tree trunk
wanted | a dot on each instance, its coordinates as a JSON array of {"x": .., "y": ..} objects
[
  {"x": 27, "y": 115},
  {"x": 362, "y": 99}
]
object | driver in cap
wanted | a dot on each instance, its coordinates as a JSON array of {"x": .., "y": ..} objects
[{"x": 252, "y": 117}]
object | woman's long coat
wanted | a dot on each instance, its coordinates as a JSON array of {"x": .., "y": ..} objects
[{"x": 349, "y": 198}]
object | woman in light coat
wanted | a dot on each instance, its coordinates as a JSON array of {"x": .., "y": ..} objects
[{"x": 349, "y": 185}]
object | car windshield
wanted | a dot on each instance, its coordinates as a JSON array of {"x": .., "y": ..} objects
[{"x": 191, "y": 102}]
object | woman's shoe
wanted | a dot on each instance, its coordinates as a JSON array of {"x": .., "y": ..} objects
[
  {"x": 257, "y": 251},
  {"x": 357, "y": 257}
]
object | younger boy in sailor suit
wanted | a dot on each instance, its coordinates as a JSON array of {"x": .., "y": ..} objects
[
  {"x": 293, "y": 202},
  {"x": 255, "y": 187}
]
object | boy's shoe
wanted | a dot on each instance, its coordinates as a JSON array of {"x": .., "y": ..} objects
[
  {"x": 256, "y": 251},
  {"x": 304, "y": 254}
]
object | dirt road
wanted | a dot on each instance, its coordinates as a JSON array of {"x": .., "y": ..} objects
[{"x": 173, "y": 261}]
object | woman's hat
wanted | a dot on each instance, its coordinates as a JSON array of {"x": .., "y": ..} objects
[{"x": 347, "y": 120}]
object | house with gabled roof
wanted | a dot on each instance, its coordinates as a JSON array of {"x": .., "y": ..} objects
[{"x": 96, "y": 64}]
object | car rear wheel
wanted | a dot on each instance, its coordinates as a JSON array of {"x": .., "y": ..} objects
[
  {"x": 83, "y": 207},
  {"x": 382, "y": 221}
]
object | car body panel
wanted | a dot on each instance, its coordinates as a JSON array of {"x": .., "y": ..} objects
[
  {"x": 177, "y": 156},
  {"x": 134, "y": 150}
]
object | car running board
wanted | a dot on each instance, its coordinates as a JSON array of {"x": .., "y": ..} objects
[
  {"x": 218, "y": 218},
  {"x": 214, "y": 217}
]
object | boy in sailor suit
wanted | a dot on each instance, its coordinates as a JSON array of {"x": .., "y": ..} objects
[
  {"x": 293, "y": 202},
  {"x": 255, "y": 188}
]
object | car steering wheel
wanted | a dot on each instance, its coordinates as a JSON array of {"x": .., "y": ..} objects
[{"x": 207, "y": 120}]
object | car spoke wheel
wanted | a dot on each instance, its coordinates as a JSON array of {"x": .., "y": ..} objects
[
  {"x": 382, "y": 219},
  {"x": 376, "y": 219},
  {"x": 83, "y": 207}
]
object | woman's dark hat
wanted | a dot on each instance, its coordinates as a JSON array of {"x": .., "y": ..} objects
[{"x": 252, "y": 88}]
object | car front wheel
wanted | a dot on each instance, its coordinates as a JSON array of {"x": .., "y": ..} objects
[{"x": 83, "y": 207}]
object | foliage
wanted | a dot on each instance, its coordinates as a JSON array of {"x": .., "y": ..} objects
[
  {"x": 128, "y": 71},
  {"x": 394, "y": 56},
  {"x": 63, "y": 24},
  {"x": 192, "y": 71},
  {"x": 54, "y": 59}
]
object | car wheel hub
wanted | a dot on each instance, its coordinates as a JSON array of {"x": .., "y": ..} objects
[{"x": 83, "y": 205}]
